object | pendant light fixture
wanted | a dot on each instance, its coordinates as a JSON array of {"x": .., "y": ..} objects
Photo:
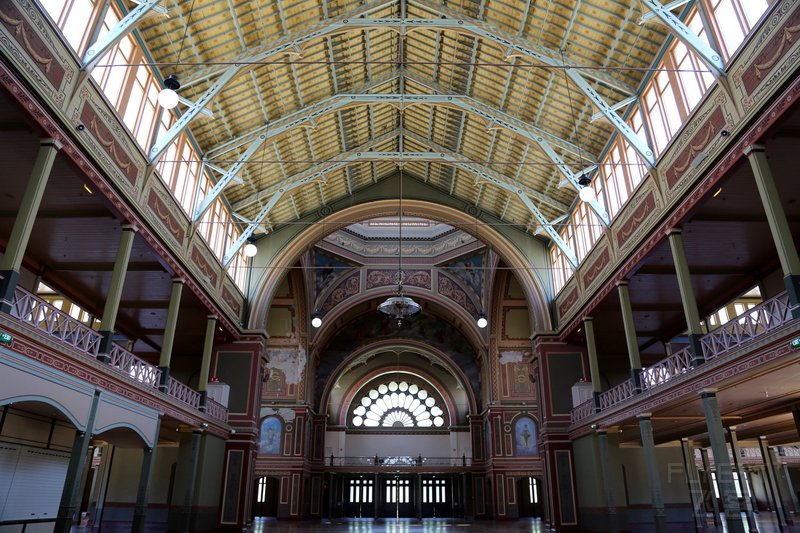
[
  {"x": 168, "y": 97},
  {"x": 400, "y": 306},
  {"x": 586, "y": 192}
]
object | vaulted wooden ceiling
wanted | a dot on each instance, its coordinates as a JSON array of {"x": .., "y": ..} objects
[{"x": 508, "y": 113}]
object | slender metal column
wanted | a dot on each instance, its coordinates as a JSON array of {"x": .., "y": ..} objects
[
  {"x": 695, "y": 489},
  {"x": 778, "y": 225},
  {"x": 594, "y": 369},
  {"x": 649, "y": 450},
  {"x": 169, "y": 330},
  {"x": 208, "y": 348},
  {"x": 140, "y": 509},
  {"x": 772, "y": 482},
  {"x": 188, "y": 500},
  {"x": 687, "y": 295},
  {"x": 710, "y": 482},
  {"x": 115, "y": 288},
  {"x": 11, "y": 261},
  {"x": 630, "y": 335},
  {"x": 737, "y": 462},
  {"x": 608, "y": 483},
  {"x": 70, "y": 495},
  {"x": 789, "y": 487},
  {"x": 722, "y": 464}
]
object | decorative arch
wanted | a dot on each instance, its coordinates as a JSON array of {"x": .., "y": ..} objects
[
  {"x": 346, "y": 405},
  {"x": 286, "y": 254},
  {"x": 467, "y": 374},
  {"x": 49, "y": 401},
  {"x": 150, "y": 441}
]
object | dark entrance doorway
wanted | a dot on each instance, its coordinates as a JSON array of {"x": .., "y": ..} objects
[
  {"x": 397, "y": 497},
  {"x": 265, "y": 502},
  {"x": 359, "y": 496},
  {"x": 529, "y": 497},
  {"x": 437, "y": 497}
]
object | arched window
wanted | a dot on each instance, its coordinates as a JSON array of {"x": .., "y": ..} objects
[{"x": 398, "y": 405}]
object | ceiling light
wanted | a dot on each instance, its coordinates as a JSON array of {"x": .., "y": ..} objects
[
  {"x": 587, "y": 192},
  {"x": 316, "y": 319},
  {"x": 250, "y": 249},
  {"x": 168, "y": 98},
  {"x": 482, "y": 322},
  {"x": 399, "y": 307}
]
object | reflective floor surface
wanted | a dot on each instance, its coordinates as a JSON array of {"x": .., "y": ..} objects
[{"x": 766, "y": 523}]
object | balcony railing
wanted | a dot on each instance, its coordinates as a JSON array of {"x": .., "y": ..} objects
[
  {"x": 133, "y": 367},
  {"x": 45, "y": 317},
  {"x": 660, "y": 373},
  {"x": 183, "y": 393},
  {"x": 51, "y": 320},
  {"x": 751, "y": 324},
  {"x": 399, "y": 461},
  {"x": 617, "y": 394},
  {"x": 216, "y": 410},
  {"x": 583, "y": 411}
]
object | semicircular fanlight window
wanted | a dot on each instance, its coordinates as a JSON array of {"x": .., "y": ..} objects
[{"x": 397, "y": 405}]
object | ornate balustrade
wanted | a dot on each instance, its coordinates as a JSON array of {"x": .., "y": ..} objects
[
  {"x": 583, "y": 411},
  {"x": 750, "y": 325},
  {"x": 399, "y": 461},
  {"x": 216, "y": 410},
  {"x": 616, "y": 394},
  {"x": 183, "y": 393},
  {"x": 662, "y": 372},
  {"x": 47, "y": 318},
  {"x": 133, "y": 367},
  {"x": 37, "y": 313}
]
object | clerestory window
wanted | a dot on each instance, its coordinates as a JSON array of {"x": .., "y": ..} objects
[{"x": 398, "y": 405}]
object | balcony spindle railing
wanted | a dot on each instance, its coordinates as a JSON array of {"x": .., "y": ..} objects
[
  {"x": 183, "y": 393},
  {"x": 616, "y": 394},
  {"x": 47, "y": 318},
  {"x": 750, "y": 325},
  {"x": 39, "y": 314},
  {"x": 660, "y": 373},
  {"x": 216, "y": 410},
  {"x": 399, "y": 461},
  {"x": 583, "y": 411},
  {"x": 133, "y": 367}
]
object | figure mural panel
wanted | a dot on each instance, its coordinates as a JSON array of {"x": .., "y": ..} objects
[
  {"x": 269, "y": 441},
  {"x": 525, "y": 437}
]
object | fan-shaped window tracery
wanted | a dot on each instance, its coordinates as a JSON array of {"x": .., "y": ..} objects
[{"x": 397, "y": 405}]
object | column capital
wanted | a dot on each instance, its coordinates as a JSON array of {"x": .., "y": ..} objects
[
  {"x": 588, "y": 319},
  {"x": 602, "y": 432},
  {"x": 754, "y": 148},
  {"x": 130, "y": 227},
  {"x": 49, "y": 141},
  {"x": 179, "y": 279},
  {"x": 708, "y": 393},
  {"x": 674, "y": 231},
  {"x": 212, "y": 317},
  {"x": 623, "y": 283},
  {"x": 644, "y": 416}
]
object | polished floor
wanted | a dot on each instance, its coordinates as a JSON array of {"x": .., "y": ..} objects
[{"x": 766, "y": 523}]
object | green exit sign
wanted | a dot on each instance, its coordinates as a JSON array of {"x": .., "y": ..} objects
[
  {"x": 5, "y": 338},
  {"x": 795, "y": 343}
]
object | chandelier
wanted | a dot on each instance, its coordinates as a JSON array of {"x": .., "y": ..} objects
[{"x": 400, "y": 306}]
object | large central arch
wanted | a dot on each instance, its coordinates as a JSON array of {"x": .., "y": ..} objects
[{"x": 286, "y": 246}]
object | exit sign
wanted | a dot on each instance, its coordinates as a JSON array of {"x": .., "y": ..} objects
[
  {"x": 5, "y": 338},
  {"x": 795, "y": 343}
]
